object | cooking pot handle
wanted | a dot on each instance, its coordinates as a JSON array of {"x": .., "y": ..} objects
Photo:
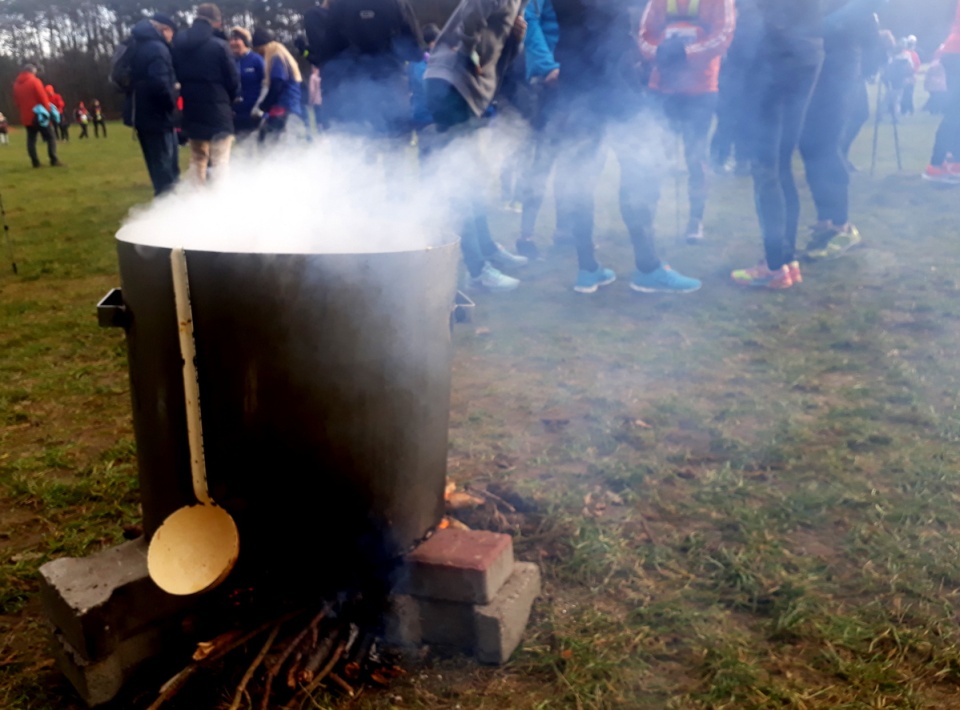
[
  {"x": 112, "y": 311},
  {"x": 462, "y": 308}
]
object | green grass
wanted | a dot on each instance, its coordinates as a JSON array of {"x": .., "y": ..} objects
[{"x": 781, "y": 470}]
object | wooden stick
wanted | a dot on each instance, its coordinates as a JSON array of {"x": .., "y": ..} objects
[
  {"x": 324, "y": 672},
  {"x": 321, "y": 654},
  {"x": 343, "y": 684},
  {"x": 242, "y": 688},
  {"x": 275, "y": 668},
  {"x": 494, "y": 497},
  {"x": 173, "y": 686}
]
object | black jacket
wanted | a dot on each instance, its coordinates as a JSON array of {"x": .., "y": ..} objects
[
  {"x": 209, "y": 81},
  {"x": 151, "y": 106}
]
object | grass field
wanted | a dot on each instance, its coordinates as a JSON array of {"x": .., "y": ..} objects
[{"x": 752, "y": 499}]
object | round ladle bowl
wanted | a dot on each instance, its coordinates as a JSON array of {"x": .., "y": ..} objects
[{"x": 197, "y": 546}]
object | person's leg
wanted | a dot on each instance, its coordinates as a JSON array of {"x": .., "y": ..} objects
[
  {"x": 32, "y": 133},
  {"x": 104, "y": 129},
  {"x": 695, "y": 124},
  {"x": 199, "y": 160},
  {"x": 639, "y": 194},
  {"x": 948, "y": 135},
  {"x": 157, "y": 149},
  {"x": 858, "y": 113},
  {"x": 578, "y": 166},
  {"x": 51, "y": 140},
  {"x": 220, "y": 156}
]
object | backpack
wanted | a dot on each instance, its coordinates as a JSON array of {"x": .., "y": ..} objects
[
  {"x": 121, "y": 66},
  {"x": 899, "y": 71}
]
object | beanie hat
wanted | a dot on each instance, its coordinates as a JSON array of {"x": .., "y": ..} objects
[
  {"x": 262, "y": 36},
  {"x": 162, "y": 19},
  {"x": 241, "y": 34}
]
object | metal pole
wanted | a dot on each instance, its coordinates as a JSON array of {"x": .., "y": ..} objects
[{"x": 876, "y": 126}]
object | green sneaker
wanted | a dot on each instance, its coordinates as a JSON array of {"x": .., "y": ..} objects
[{"x": 835, "y": 246}]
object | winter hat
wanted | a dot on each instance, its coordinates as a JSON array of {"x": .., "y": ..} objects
[
  {"x": 262, "y": 36},
  {"x": 241, "y": 34},
  {"x": 162, "y": 19}
]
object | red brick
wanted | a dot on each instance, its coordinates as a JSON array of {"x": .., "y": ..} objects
[{"x": 468, "y": 566}]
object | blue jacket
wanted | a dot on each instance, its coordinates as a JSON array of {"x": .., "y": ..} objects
[
  {"x": 151, "y": 105},
  {"x": 251, "y": 69},
  {"x": 543, "y": 33},
  {"x": 418, "y": 98},
  {"x": 209, "y": 81},
  {"x": 284, "y": 92}
]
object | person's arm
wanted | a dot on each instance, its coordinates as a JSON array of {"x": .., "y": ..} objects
[
  {"x": 41, "y": 97},
  {"x": 653, "y": 24},
  {"x": 231, "y": 73},
  {"x": 849, "y": 12},
  {"x": 161, "y": 80},
  {"x": 278, "y": 75},
  {"x": 722, "y": 19},
  {"x": 409, "y": 43},
  {"x": 537, "y": 52},
  {"x": 473, "y": 22}
]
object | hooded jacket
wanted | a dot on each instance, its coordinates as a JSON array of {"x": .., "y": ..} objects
[
  {"x": 706, "y": 35},
  {"x": 479, "y": 34},
  {"x": 29, "y": 92},
  {"x": 543, "y": 33},
  {"x": 151, "y": 105},
  {"x": 209, "y": 81}
]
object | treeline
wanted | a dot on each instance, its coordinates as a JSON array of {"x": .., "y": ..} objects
[{"x": 73, "y": 40}]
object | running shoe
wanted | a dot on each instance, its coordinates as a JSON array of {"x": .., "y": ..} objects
[
  {"x": 491, "y": 280},
  {"x": 505, "y": 260},
  {"x": 590, "y": 281},
  {"x": 664, "y": 280},
  {"x": 694, "y": 232},
  {"x": 836, "y": 245},
  {"x": 760, "y": 276}
]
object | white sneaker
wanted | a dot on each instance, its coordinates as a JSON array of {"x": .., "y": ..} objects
[
  {"x": 493, "y": 281},
  {"x": 505, "y": 260}
]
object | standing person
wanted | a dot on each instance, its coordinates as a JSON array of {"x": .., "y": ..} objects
[
  {"x": 599, "y": 95},
  {"x": 315, "y": 98},
  {"x": 686, "y": 40},
  {"x": 846, "y": 31},
  {"x": 96, "y": 115},
  {"x": 83, "y": 119},
  {"x": 61, "y": 106},
  {"x": 4, "y": 130},
  {"x": 280, "y": 93},
  {"x": 472, "y": 54},
  {"x": 907, "y": 107},
  {"x": 788, "y": 63},
  {"x": 419, "y": 113},
  {"x": 209, "y": 83},
  {"x": 36, "y": 112},
  {"x": 150, "y": 107},
  {"x": 945, "y": 161},
  {"x": 362, "y": 47},
  {"x": 542, "y": 74},
  {"x": 731, "y": 139},
  {"x": 251, "y": 68}
]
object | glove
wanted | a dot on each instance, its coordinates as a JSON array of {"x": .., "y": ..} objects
[{"x": 671, "y": 54}]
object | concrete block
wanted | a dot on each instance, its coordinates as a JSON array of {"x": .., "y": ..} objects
[
  {"x": 501, "y": 623},
  {"x": 468, "y": 566},
  {"x": 98, "y": 602},
  {"x": 99, "y": 682}
]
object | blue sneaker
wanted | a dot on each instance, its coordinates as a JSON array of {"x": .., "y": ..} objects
[
  {"x": 590, "y": 281},
  {"x": 664, "y": 280}
]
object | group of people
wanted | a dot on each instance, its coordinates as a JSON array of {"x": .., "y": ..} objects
[
  {"x": 206, "y": 87},
  {"x": 43, "y": 112},
  {"x": 779, "y": 76}
]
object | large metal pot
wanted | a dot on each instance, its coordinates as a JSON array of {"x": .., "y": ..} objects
[{"x": 325, "y": 388}]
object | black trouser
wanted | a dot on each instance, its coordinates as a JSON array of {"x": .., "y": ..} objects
[
  {"x": 83, "y": 131},
  {"x": 65, "y": 132},
  {"x": 948, "y": 135},
  {"x": 97, "y": 125},
  {"x": 690, "y": 118},
  {"x": 450, "y": 111},
  {"x": 536, "y": 173},
  {"x": 780, "y": 103},
  {"x": 46, "y": 132},
  {"x": 732, "y": 136},
  {"x": 161, "y": 153},
  {"x": 821, "y": 143},
  {"x": 583, "y": 119},
  {"x": 857, "y": 116}
]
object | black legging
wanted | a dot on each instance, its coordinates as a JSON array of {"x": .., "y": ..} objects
[
  {"x": 782, "y": 94},
  {"x": 97, "y": 125},
  {"x": 821, "y": 143},
  {"x": 948, "y": 135}
]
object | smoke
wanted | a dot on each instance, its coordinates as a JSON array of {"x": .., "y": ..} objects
[{"x": 337, "y": 195}]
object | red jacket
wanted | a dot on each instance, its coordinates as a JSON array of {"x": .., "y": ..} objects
[
  {"x": 56, "y": 99},
  {"x": 952, "y": 45},
  {"x": 706, "y": 34},
  {"x": 28, "y": 91}
]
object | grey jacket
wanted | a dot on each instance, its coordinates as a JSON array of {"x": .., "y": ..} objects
[{"x": 478, "y": 33}]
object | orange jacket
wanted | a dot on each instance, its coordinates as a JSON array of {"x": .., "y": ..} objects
[
  {"x": 952, "y": 45},
  {"x": 706, "y": 33},
  {"x": 28, "y": 91},
  {"x": 56, "y": 99}
]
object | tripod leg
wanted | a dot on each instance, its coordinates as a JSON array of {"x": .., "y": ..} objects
[
  {"x": 876, "y": 127},
  {"x": 896, "y": 144}
]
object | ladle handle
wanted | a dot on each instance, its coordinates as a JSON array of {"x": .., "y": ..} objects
[{"x": 191, "y": 383}]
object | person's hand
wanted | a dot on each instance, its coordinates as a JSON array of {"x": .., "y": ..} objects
[
  {"x": 519, "y": 28},
  {"x": 552, "y": 78},
  {"x": 256, "y": 114}
]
